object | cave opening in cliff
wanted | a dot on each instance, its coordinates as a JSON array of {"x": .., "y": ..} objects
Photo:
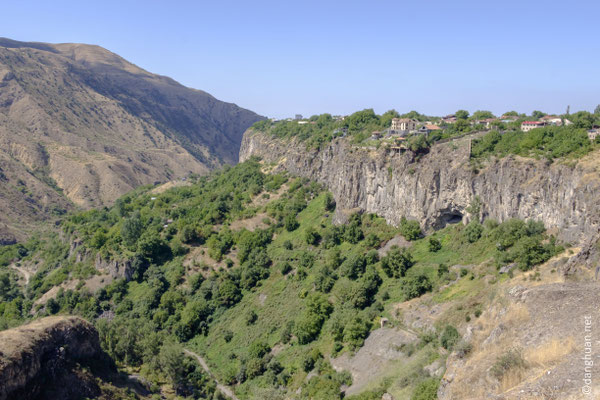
[{"x": 449, "y": 218}]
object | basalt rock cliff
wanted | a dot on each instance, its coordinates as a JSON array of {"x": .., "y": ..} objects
[{"x": 438, "y": 188}]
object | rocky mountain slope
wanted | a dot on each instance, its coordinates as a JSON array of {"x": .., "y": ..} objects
[
  {"x": 80, "y": 125},
  {"x": 437, "y": 188},
  {"x": 38, "y": 360}
]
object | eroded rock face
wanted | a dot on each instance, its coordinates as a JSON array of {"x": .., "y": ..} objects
[
  {"x": 437, "y": 188},
  {"x": 116, "y": 268},
  {"x": 34, "y": 356}
]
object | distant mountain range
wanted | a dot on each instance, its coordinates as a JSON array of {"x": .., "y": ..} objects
[{"x": 80, "y": 126}]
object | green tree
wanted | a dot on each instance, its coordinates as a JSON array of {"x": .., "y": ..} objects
[
  {"x": 290, "y": 223},
  {"x": 442, "y": 270},
  {"x": 473, "y": 231},
  {"x": 356, "y": 332},
  {"x": 481, "y": 114},
  {"x": 538, "y": 114},
  {"x": 426, "y": 390},
  {"x": 329, "y": 202},
  {"x": 311, "y": 236},
  {"x": 353, "y": 232},
  {"x": 410, "y": 229},
  {"x": 354, "y": 266},
  {"x": 153, "y": 247},
  {"x": 396, "y": 262},
  {"x": 416, "y": 286},
  {"x": 132, "y": 229},
  {"x": 449, "y": 337},
  {"x": 462, "y": 114},
  {"x": 434, "y": 245}
]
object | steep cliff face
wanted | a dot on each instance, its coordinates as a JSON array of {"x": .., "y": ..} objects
[
  {"x": 34, "y": 357},
  {"x": 438, "y": 187}
]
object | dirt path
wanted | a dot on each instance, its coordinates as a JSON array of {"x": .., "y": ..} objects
[
  {"x": 226, "y": 390},
  {"x": 26, "y": 274}
]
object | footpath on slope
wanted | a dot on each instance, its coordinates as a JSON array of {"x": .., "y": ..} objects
[{"x": 226, "y": 390}]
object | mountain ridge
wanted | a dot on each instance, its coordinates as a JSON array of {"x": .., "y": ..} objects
[{"x": 80, "y": 126}]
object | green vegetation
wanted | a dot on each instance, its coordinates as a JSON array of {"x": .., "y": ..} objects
[
  {"x": 549, "y": 142},
  {"x": 322, "y": 129},
  {"x": 266, "y": 305}
]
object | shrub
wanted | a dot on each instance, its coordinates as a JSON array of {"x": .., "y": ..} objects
[
  {"x": 442, "y": 270},
  {"x": 356, "y": 332},
  {"x": 310, "y": 360},
  {"x": 473, "y": 231},
  {"x": 311, "y": 236},
  {"x": 329, "y": 202},
  {"x": 188, "y": 234},
  {"x": 396, "y": 262},
  {"x": 285, "y": 268},
  {"x": 353, "y": 267},
  {"x": 434, "y": 245},
  {"x": 332, "y": 237},
  {"x": 353, "y": 232},
  {"x": 287, "y": 245},
  {"x": 131, "y": 229},
  {"x": 416, "y": 286},
  {"x": 426, "y": 390},
  {"x": 290, "y": 223},
  {"x": 511, "y": 359},
  {"x": 449, "y": 337},
  {"x": 463, "y": 348},
  {"x": 410, "y": 229},
  {"x": 372, "y": 257},
  {"x": 250, "y": 317},
  {"x": 372, "y": 240}
]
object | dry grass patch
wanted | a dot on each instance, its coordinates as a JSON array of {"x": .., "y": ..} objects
[{"x": 550, "y": 352}]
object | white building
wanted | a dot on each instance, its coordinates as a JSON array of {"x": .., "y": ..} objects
[
  {"x": 529, "y": 125},
  {"x": 404, "y": 124}
]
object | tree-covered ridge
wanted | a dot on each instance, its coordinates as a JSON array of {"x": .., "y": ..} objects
[
  {"x": 505, "y": 135},
  {"x": 322, "y": 129},
  {"x": 549, "y": 142},
  {"x": 295, "y": 282}
]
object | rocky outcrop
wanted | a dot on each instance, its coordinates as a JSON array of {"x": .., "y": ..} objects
[
  {"x": 438, "y": 187},
  {"x": 34, "y": 356},
  {"x": 116, "y": 268}
]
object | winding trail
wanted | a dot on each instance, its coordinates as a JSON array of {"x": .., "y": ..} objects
[
  {"x": 26, "y": 274},
  {"x": 226, "y": 390}
]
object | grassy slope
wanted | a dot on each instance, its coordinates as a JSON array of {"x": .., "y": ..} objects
[{"x": 276, "y": 300}]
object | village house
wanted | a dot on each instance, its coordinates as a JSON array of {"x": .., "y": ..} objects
[
  {"x": 526, "y": 126},
  {"x": 508, "y": 118},
  {"x": 554, "y": 120},
  {"x": 432, "y": 127},
  {"x": 488, "y": 122},
  {"x": 594, "y": 133},
  {"x": 449, "y": 119},
  {"x": 404, "y": 124},
  {"x": 376, "y": 135}
]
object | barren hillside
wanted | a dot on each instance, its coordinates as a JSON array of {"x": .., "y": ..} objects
[{"x": 80, "y": 125}]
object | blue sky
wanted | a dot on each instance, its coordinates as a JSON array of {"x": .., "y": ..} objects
[{"x": 280, "y": 58}]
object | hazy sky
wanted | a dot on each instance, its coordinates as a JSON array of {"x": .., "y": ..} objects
[{"x": 280, "y": 58}]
